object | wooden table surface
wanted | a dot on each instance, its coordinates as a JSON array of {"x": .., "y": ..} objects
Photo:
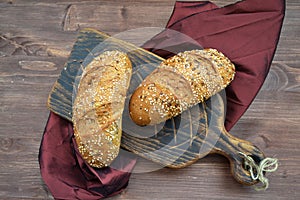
[{"x": 36, "y": 37}]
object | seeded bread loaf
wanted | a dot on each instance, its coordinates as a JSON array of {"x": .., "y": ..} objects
[
  {"x": 180, "y": 82},
  {"x": 98, "y": 107}
]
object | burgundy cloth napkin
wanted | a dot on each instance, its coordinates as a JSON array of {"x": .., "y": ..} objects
[
  {"x": 65, "y": 172},
  {"x": 247, "y": 32}
]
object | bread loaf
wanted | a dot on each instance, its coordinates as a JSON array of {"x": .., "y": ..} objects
[
  {"x": 180, "y": 82},
  {"x": 98, "y": 107}
]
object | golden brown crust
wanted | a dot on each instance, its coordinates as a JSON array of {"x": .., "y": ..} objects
[
  {"x": 139, "y": 108},
  {"x": 183, "y": 80},
  {"x": 151, "y": 104},
  {"x": 98, "y": 107}
]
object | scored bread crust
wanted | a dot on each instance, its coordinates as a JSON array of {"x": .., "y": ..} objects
[
  {"x": 180, "y": 82},
  {"x": 98, "y": 107}
]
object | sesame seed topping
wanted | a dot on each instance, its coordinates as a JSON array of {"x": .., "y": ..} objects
[
  {"x": 95, "y": 129},
  {"x": 206, "y": 72}
]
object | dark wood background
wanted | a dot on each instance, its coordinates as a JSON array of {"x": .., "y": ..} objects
[{"x": 36, "y": 37}]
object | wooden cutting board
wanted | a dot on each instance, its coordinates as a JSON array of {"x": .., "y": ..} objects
[{"x": 176, "y": 143}]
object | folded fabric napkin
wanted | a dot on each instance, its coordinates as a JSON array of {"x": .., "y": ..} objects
[
  {"x": 66, "y": 173},
  {"x": 247, "y": 32}
]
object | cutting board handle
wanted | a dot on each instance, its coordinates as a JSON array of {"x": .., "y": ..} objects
[{"x": 236, "y": 150}]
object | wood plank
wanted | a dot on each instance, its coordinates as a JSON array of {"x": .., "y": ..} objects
[{"x": 36, "y": 37}]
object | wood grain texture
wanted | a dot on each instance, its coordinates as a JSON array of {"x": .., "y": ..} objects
[
  {"x": 36, "y": 33},
  {"x": 179, "y": 142}
]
